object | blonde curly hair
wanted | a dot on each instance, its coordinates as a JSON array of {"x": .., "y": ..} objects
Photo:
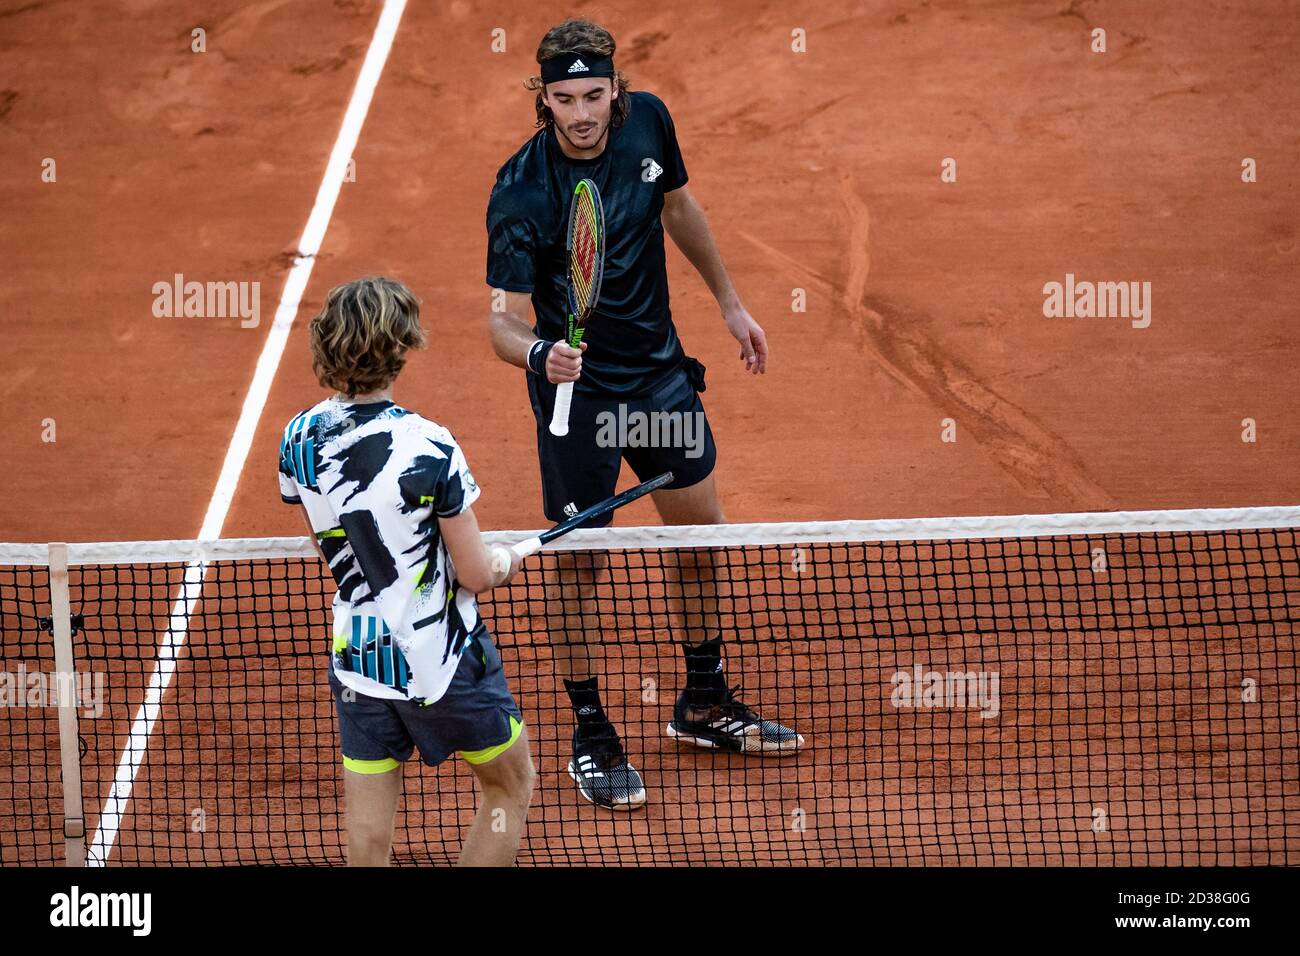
[{"x": 361, "y": 335}]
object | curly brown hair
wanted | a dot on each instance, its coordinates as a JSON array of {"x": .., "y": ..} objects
[
  {"x": 578, "y": 36},
  {"x": 361, "y": 335}
]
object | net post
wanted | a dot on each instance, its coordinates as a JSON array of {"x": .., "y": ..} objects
[{"x": 74, "y": 823}]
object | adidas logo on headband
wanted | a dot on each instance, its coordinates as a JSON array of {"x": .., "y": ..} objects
[{"x": 567, "y": 66}]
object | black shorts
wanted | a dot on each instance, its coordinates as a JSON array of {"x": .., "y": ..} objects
[
  {"x": 477, "y": 717},
  {"x": 664, "y": 430}
]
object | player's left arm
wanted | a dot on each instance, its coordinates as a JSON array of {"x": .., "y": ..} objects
[
  {"x": 311, "y": 535},
  {"x": 684, "y": 220},
  {"x": 290, "y": 493}
]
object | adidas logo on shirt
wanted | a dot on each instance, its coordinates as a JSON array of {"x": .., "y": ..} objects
[
  {"x": 578, "y": 67},
  {"x": 650, "y": 170}
]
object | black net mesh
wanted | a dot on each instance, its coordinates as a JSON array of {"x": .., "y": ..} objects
[
  {"x": 1114, "y": 699},
  {"x": 31, "y": 795}
]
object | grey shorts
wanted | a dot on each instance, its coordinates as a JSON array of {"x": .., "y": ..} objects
[{"x": 477, "y": 717}]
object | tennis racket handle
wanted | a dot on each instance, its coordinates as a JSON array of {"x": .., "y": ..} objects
[
  {"x": 527, "y": 547},
  {"x": 500, "y": 561},
  {"x": 560, "y": 416}
]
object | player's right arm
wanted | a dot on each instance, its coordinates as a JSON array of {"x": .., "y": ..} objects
[
  {"x": 473, "y": 558},
  {"x": 513, "y": 340}
]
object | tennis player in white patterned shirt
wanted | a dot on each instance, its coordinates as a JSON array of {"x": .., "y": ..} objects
[{"x": 388, "y": 499}]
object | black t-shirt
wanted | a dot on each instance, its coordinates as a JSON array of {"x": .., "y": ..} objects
[{"x": 631, "y": 341}]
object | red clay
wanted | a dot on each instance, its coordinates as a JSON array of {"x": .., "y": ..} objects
[{"x": 819, "y": 171}]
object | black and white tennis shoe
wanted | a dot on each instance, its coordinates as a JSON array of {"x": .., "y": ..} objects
[
  {"x": 731, "y": 725},
  {"x": 601, "y": 769}
]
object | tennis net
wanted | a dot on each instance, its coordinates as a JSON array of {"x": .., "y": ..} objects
[{"x": 1081, "y": 689}]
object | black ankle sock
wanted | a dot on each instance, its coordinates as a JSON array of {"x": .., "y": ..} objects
[
  {"x": 706, "y": 682},
  {"x": 585, "y": 697}
]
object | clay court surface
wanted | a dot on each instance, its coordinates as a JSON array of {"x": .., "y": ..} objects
[{"x": 819, "y": 171}]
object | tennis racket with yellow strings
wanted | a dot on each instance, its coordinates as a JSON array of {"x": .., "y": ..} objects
[{"x": 586, "y": 247}]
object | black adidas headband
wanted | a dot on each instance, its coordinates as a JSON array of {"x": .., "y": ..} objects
[{"x": 576, "y": 66}]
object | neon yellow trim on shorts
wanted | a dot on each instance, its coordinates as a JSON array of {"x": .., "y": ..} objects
[
  {"x": 483, "y": 756},
  {"x": 370, "y": 766}
]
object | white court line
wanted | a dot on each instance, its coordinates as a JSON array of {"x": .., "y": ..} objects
[{"x": 119, "y": 796}]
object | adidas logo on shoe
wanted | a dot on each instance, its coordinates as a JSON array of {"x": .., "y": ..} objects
[{"x": 587, "y": 766}]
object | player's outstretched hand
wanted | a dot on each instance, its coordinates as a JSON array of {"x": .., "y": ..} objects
[
  {"x": 564, "y": 363},
  {"x": 753, "y": 342},
  {"x": 505, "y": 564}
]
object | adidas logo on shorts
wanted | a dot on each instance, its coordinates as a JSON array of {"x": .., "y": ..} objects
[{"x": 570, "y": 510}]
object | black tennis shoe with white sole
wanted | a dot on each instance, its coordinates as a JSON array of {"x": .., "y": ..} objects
[
  {"x": 731, "y": 725},
  {"x": 602, "y": 771}
]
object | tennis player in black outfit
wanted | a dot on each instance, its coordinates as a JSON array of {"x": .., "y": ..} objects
[{"x": 593, "y": 127}]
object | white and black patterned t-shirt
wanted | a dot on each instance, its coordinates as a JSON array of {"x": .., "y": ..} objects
[{"x": 374, "y": 479}]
